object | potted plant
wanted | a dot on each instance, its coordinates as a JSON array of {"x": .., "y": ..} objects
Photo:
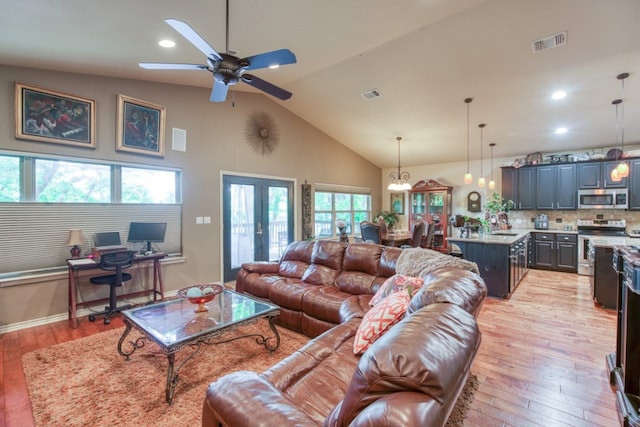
[
  {"x": 497, "y": 210},
  {"x": 389, "y": 217}
]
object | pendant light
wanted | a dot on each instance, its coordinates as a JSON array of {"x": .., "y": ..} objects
[
  {"x": 468, "y": 179},
  {"x": 399, "y": 180},
  {"x": 481, "y": 180},
  {"x": 492, "y": 183},
  {"x": 615, "y": 173},
  {"x": 622, "y": 168}
]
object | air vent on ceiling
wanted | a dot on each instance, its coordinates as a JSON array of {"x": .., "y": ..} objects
[
  {"x": 549, "y": 42},
  {"x": 371, "y": 94}
]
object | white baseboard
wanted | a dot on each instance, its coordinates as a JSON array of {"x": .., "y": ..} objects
[{"x": 65, "y": 316}]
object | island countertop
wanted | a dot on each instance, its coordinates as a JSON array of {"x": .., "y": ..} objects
[{"x": 505, "y": 237}]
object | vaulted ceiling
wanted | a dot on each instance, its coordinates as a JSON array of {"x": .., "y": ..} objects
[{"x": 423, "y": 56}]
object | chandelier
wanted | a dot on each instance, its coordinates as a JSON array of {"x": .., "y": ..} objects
[{"x": 399, "y": 180}]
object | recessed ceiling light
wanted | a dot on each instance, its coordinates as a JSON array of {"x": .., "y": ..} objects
[
  {"x": 167, "y": 43},
  {"x": 561, "y": 131},
  {"x": 559, "y": 94}
]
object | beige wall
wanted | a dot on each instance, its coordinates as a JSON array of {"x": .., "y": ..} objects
[{"x": 215, "y": 143}]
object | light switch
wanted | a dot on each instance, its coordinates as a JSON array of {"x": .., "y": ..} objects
[
  {"x": 207, "y": 220},
  {"x": 199, "y": 220}
]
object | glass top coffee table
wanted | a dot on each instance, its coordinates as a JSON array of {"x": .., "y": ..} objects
[{"x": 174, "y": 325}]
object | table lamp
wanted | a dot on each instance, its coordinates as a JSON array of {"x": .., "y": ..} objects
[{"x": 75, "y": 239}]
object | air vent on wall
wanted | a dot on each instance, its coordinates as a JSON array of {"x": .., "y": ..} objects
[
  {"x": 549, "y": 42},
  {"x": 371, "y": 94}
]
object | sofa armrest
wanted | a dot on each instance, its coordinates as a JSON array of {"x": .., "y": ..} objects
[
  {"x": 354, "y": 306},
  {"x": 246, "y": 398},
  {"x": 397, "y": 410},
  {"x": 262, "y": 267}
]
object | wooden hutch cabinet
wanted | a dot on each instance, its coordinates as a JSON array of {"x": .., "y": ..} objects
[{"x": 430, "y": 201}]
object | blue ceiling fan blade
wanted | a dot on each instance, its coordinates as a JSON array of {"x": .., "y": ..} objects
[
  {"x": 218, "y": 92},
  {"x": 267, "y": 59},
  {"x": 265, "y": 86},
  {"x": 190, "y": 34}
]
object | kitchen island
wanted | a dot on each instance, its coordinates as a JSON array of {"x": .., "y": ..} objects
[{"x": 502, "y": 258}]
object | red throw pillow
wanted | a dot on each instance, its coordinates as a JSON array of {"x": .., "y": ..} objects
[
  {"x": 396, "y": 283},
  {"x": 379, "y": 319}
]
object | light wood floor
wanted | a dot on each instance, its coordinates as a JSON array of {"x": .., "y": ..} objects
[{"x": 541, "y": 363}]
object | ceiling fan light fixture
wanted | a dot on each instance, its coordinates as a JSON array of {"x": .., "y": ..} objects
[
  {"x": 399, "y": 179},
  {"x": 167, "y": 43}
]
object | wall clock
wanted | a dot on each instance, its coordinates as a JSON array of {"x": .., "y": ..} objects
[{"x": 474, "y": 200}]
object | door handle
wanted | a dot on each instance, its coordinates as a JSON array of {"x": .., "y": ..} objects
[{"x": 259, "y": 228}]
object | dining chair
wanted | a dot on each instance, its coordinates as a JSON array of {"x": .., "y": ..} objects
[
  {"x": 370, "y": 232},
  {"x": 427, "y": 241}
]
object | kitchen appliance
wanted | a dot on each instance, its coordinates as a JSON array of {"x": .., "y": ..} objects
[
  {"x": 603, "y": 198},
  {"x": 612, "y": 229},
  {"x": 541, "y": 222}
]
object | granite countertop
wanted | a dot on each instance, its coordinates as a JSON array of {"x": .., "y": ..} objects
[
  {"x": 610, "y": 241},
  {"x": 506, "y": 237}
]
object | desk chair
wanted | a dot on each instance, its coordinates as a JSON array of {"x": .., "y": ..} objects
[
  {"x": 416, "y": 235},
  {"x": 370, "y": 232},
  {"x": 116, "y": 262}
]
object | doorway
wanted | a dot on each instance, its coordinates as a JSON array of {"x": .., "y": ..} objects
[{"x": 257, "y": 220}]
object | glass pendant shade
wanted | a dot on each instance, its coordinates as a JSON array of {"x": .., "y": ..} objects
[
  {"x": 614, "y": 175},
  {"x": 492, "y": 185},
  {"x": 468, "y": 179},
  {"x": 623, "y": 169},
  {"x": 481, "y": 181}
]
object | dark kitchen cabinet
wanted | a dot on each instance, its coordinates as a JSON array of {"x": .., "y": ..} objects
[
  {"x": 604, "y": 282},
  {"x": 634, "y": 184},
  {"x": 556, "y": 187},
  {"x": 558, "y": 252},
  {"x": 502, "y": 267},
  {"x": 509, "y": 184},
  {"x": 598, "y": 175},
  {"x": 526, "y": 190}
]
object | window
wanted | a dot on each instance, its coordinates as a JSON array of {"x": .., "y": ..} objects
[
  {"x": 43, "y": 197},
  {"x": 9, "y": 179},
  {"x": 331, "y": 207}
]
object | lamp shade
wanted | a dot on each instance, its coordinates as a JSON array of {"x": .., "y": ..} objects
[{"x": 75, "y": 237}]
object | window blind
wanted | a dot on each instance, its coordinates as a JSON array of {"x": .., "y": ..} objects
[{"x": 34, "y": 235}]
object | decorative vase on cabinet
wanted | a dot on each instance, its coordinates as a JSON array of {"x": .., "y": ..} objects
[{"x": 430, "y": 201}]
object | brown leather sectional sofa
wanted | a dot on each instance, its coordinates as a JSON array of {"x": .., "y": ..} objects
[{"x": 411, "y": 376}]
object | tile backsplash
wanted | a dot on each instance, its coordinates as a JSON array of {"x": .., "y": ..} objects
[{"x": 559, "y": 219}]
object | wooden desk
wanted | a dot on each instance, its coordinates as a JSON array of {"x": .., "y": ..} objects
[
  {"x": 81, "y": 264},
  {"x": 396, "y": 239}
]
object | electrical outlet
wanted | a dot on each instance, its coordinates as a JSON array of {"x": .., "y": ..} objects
[
  {"x": 207, "y": 220},
  {"x": 199, "y": 220}
]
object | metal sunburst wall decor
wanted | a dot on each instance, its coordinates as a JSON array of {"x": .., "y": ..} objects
[{"x": 262, "y": 133}]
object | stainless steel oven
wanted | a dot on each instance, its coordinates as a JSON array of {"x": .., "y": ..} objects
[{"x": 590, "y": 228}]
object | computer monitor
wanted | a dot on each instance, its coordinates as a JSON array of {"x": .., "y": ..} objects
[
  {"x": 147, "y": 232},
  {"x": 108, "y": 238}
]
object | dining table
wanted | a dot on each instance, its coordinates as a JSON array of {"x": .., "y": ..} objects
[{"x": 397, "y": 238}]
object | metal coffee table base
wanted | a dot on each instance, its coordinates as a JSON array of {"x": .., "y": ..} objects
[{"x": 196, "y": 343}]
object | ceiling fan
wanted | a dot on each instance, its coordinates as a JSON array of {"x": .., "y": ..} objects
[{"x": 228, "y": 69}]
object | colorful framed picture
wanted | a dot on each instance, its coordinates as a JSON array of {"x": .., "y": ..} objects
[
  {"x": 48, "y": 116},
  {"x": 397, "y": 203},
  {"x": 140, "y": 126}
]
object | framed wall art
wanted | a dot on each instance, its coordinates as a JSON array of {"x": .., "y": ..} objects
[
  {"x": 49, "y": 116},
  {"x": 397, "y": 203},
  {"x": 140, "y": 126}
]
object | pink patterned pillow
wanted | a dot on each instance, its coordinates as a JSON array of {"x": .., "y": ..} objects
[
  {"x": 379, "y": 319},
  {"x": 396, "y": 283}
]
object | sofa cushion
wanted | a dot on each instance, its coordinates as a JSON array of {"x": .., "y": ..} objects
[
  {"x": 323, "y": 302},
  {"x": 355, "y": 282},
  {"x": 362, "y": 257},
  {"x": 295, "y": 259},
  {"x": 429, "y": 352},
  {"x": 451, "y": 285},
  {"x": 397, "y": 283},
  {"x": 328, "y": 253},
  {"x": 379, "y": 319},
  {"x": 288, "y": 293}
]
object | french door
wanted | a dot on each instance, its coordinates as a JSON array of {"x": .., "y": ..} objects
[{"x": 257, "y": 220}]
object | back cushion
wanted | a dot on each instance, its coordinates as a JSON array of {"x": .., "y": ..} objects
[
  {"x": 360, "y": 266},
  {"x": 328, "y": 253},
  {"x": 295, "y": 259},
  {"x": 388, "y": 259},
  {"x": 431, "y": 349}
]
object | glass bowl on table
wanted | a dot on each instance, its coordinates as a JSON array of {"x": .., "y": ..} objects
[{"x": 201, "y": 294}]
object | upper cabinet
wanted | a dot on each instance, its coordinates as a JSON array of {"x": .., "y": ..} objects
[
  {"x": 556, "y": 187},
  {"x": 598, "y": 175},
  {"x": 634, "y": 184},
  {"x": 430, "y": 201}
]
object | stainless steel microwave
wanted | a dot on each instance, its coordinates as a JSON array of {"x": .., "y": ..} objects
[{"x": 603, "y": 198}]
